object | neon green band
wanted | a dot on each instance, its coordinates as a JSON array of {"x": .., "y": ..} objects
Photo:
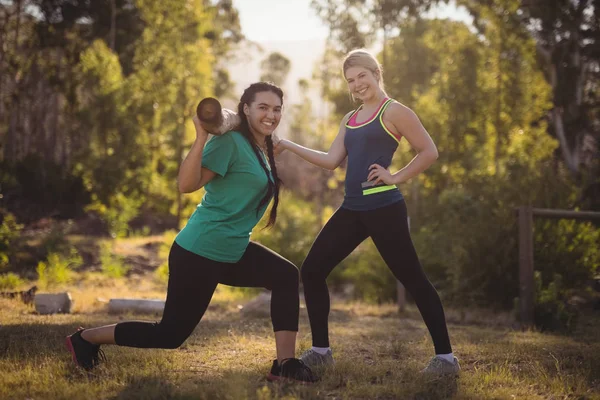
[{"x": 379, "y": 189}]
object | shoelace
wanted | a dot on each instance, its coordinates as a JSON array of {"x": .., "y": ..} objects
[
  {"x": 99, "y": 356},
  {"x": 434, "y": 361}
]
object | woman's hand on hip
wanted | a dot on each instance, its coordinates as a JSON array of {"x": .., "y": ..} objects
[{"x": 380, "y": 175}]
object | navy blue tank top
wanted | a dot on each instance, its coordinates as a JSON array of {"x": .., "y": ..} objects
[{"x": 368, "y": 143}]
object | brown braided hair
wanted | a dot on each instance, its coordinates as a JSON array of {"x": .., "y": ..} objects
[{"x": 273, "y": 185}]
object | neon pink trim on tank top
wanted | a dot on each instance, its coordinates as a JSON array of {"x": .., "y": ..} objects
[{"x": 352, "y": 121}]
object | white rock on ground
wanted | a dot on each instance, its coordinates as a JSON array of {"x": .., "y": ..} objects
[
  {"x": 53, "y": 303},
  {"x": 260, "y": 305},
  {"x": 143, "y": 306}
]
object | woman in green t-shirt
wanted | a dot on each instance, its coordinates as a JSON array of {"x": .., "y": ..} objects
[{"x": 239, "y": 175}]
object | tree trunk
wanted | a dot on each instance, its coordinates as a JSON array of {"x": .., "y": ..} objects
[
  {"x": 17, "y": 27},
  {"x": 12, "y": 138},
  {"x": 3, "y": 23},
  {"x": 113, "y": 24},
  {"x": 385, "y": 41},
  {"x": 179, "y": 153},
  {"x": 499, "y": 130},
  {"x": 559, "y": 129}
]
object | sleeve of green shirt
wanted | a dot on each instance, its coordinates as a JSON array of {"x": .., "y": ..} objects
[{"x": 219, "y": 154}]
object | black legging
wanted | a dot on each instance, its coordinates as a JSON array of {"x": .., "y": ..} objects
[
  {"x": 388, "y": 228},
  {"x": 192, "y": 282}
]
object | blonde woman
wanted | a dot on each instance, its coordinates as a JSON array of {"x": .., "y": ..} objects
[{"x": 372, "y": 207}]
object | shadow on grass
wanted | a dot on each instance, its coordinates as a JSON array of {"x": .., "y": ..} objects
[
  {"x": 150, "y": 387},
  {"x": 27, "y": 342},
  {"x": 438, "y": 388},
  {"x": 229, "y": 385}
]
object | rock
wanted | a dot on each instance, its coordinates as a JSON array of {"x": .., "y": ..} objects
[
  {"x": 152, "y": 306},
  {"x": 53, "y": 303}
]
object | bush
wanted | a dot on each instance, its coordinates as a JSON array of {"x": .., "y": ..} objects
[
  {"x": 371, "y": 279},
  {"x": 551, "y": 311},
  {"x": 467, "y": 238},
  {"x": 9, "y": 232},
  {"x": 567, "y": 248},
  {"x": 57, "y": 269},
  {"x": 111, "y": 263},
  {"x": 118, "y": 213},
  {"x": 296, "y": 228},
  {"x": 10, "y": 281},
  {"x": 162, "y": 272},
  {"x": 56, "y": 241},
  {"x": 39, "y": 187}
]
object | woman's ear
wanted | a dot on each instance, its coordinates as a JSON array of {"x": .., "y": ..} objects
[{"x": 246, "y": 109}]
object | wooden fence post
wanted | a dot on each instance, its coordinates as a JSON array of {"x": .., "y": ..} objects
[{"x": 526, "y": 284}]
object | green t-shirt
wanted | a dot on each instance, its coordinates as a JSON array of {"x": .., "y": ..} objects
[{"x": 220, "y": 227}]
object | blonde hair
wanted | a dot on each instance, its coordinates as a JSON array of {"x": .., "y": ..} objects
[{"x": 363, "y": 58}]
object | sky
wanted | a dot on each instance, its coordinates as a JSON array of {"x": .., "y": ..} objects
[
  {"x": 292, "y": 20},
  {"x": 282, "y": 20}
]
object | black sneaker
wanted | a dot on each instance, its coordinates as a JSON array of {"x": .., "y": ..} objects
[
  {"x": 292, "y": 369},
  {"x": 85, "y": 354}
]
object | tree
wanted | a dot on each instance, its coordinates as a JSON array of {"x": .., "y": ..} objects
[
  {"x": 567, "y": 35},
  {"x": 495, "y": 154},
  {"x": 355, "y": 24},
  {"x": 96, "y": 95},
  {"x": 225, "y": 34},
  {"x": 169, "y": 80},
  {"x": 275, "y": 68}
]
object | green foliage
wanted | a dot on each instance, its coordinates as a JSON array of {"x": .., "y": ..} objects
[
  {"x": 371, "y": 279},
  {"x": 143, "y": 232},
  {"x": 557, "y": 28},
  {"x": 170, "y": 77},
  {"x": 9, "y": 233},
  {"x": 275, "y": 68},
  {"x": 117, "y": 215},
  {"x": 10, "y": 281},
  {"x": 57, "y": 269},
  {"x": 55, "y": 241},
  {"x": 495, "y": 155},
  {"x": 124, "y": 130},
  {"x": 41, "y": 187},
  {"x": 105, "y": 163},
  {"x": 568, "y": 249},
  {"x": 296, "y": 228},
  {"x": 162, "y": 272},
  {"x": 111, "y": 263},
  {"x": 551, "y": 311}
]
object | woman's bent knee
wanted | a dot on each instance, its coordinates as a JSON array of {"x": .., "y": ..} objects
[{"x": 289, "y": 275}]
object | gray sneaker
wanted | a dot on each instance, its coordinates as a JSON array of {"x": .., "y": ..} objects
[
  {"x": 314, "y": 359},
  {"x": 439, "y": 366}
]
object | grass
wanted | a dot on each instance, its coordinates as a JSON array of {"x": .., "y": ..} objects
[{"x": 378, "y": 354}]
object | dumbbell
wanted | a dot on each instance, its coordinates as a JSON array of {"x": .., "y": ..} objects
[{"x": 214, "y": 118}]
